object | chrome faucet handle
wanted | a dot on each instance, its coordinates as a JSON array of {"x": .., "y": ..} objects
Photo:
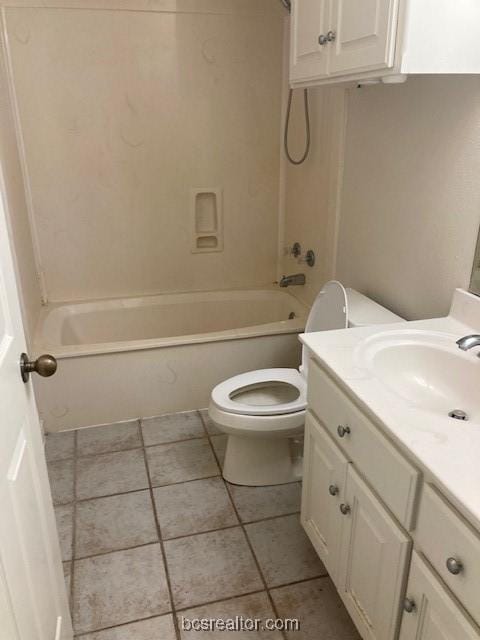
[{"x": 308, "y": 258}]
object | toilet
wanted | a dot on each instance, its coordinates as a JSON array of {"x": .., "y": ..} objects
[{"x": 263, "y": 411}]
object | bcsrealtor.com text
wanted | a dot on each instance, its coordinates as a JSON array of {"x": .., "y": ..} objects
[{"x": 240, "y": 623}]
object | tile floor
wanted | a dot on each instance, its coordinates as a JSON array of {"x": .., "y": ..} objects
[{"x": 151, "y": 534}]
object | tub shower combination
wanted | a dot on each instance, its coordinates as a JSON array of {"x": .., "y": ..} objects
[{"x": 137, "y": 357}]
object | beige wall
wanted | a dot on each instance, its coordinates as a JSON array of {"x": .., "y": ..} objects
[
  {"x": 411, "y": 192},
  {"x": 409, "y": 204},
  {"x": 311, "y": 189},
  {"x": 123, "y": 113},
  {"x": 16, "y": 206}
]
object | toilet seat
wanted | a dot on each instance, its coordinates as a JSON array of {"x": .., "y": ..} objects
[{"x": 223, "y": 394}]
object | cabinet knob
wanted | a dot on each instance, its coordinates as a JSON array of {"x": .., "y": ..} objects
[
  {"x": 333, "y": 490},
  {"x": 345, "y": 509},
  {"x": 454, "y": 566},
  {"x": 409, "y": 605},
  {"x": 343, "y": 431},
  {"x": 331, "y": 35},
  {"x": 322, "y": 39}
]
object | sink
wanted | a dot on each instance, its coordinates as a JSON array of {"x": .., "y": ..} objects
[{"x": 426, "y": 369}]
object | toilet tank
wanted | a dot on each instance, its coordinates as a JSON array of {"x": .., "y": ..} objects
[{"x": 363, "y": 311}]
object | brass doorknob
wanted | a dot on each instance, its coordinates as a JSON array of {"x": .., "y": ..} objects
[{"x": 45, "y": 366}]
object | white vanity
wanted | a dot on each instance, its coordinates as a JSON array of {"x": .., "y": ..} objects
[{"x": 391, "y": 493}]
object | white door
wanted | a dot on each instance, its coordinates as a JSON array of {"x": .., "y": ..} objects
[
  {"x": 324, "y": 477},
  {"x": 309, "y": 26},
  {"x": 430, "y": 612},
  {"x": 33, "y": 600},
  {"x": 373, "y": 562},
  {"x": 364, "y": 35}
]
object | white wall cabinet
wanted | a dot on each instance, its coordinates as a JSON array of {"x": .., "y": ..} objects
[
  {"x": 364, "y": 532},
  {"x": 347, "y": 40},
  {"x": 309, "y": 58},
  {"x": 430, "y": 612},
  {"x": 364, "y": 35}
]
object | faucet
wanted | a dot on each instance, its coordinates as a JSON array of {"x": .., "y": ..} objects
[
  {"x": 298, "y": 278},
  {"x": 468, "y": 342}
]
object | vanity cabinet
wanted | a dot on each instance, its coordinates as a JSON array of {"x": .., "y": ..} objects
[
  {"x": 453, "y": 549},
  {"x": 365, "y": 506},
  {"x": 325, "y": 475},
  {"x": 364, "y": 550},
  {"x": 373, "y": 561},
  {"x": 430, "y": 613},
  {"x": 347, "y": 40}
]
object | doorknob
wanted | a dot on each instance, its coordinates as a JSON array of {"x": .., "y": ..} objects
[{"x": 45, "y": 366}]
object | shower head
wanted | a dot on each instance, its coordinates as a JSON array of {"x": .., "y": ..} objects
[{"x": 287, "y": 4}]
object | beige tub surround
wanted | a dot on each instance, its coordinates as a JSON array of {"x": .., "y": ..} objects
[
  {"x": 140, "y": 105},
  {"x": 120, "y": 359}
]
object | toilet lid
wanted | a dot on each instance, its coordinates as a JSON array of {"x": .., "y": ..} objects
[
  {"x": 263, "y": 392},
  {"x": 329, "y": 311}
]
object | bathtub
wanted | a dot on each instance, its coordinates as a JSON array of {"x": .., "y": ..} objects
[{"x": 136, "y": 357}]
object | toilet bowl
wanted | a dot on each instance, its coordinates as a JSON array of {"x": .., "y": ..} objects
[{"x": 263, "y": 411}]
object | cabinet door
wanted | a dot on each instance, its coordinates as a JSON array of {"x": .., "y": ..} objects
[
  {"x": 432, "y": 614},
  {"x": 324, "y": 476},
  {"x": 308, "y": 58},
  {"x": 365, "y": 34},
  {"x": 374, "y": 555}
]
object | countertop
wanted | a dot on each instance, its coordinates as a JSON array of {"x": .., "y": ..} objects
[{"x": 447, "y": 451}]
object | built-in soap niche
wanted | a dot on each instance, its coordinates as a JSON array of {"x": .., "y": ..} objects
[{"x": 207, "y": 220}]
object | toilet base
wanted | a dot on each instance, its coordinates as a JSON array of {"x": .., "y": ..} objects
[{"x": 258, "y": 462}]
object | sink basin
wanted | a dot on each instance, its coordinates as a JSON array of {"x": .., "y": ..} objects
[{"x": 426, "y": 369}]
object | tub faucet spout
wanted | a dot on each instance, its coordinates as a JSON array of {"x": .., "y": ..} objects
[{"x": 296, "y": 279}]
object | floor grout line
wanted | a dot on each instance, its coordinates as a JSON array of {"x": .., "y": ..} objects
[
  {"x": 111, "y": 551},
  {"x": 247, "y": 539},
  {"x": 123, "y": 624},
  {"x": 161, "y": 541},
  {"x": 74, "y": 528},
  {"x": 162, "y": 546}
]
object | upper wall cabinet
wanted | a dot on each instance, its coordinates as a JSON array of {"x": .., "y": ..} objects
[{"x": 335, "y": 41}]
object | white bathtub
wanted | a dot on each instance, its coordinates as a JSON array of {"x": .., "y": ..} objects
[{"x": 138, "y": 357}]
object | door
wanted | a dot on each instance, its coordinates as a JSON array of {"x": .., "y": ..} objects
[
  {"x": 33, "y": 600},
  {"x": 308, "y": 47},
  {"x": 374, "y": 554},
  {"x": 430, "y": 613},
  {"x": 364, "y": 35},
  {"x": 324, "y": 476}
]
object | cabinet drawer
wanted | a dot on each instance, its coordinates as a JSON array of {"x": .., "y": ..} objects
[
  {"x": 432, "y": 612},
  {"x": 391, "y": 475},
  {"x": 441, "y": 534}
]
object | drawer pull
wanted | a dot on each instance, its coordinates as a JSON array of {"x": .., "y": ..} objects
[
  {"x": 333, "y": 490},
  {"x": 409, "y": 605},
  {"x": 343, "y": 431},
  {"x": 454, "y": 566},
  {"x": 345, "y": 509}
]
